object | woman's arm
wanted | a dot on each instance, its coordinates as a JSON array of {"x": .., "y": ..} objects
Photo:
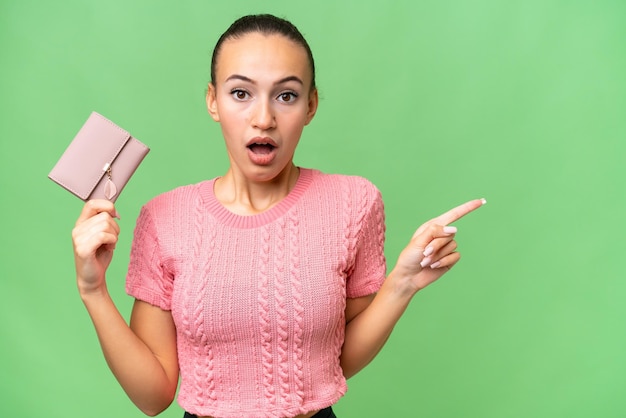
[
  {"x": 429, "y": 255},
  {"x": 368, "y": 330},
  {"x": 142, "y": 356}
]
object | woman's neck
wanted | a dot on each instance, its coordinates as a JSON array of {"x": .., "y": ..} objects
[{"x": 244, "y": 196}]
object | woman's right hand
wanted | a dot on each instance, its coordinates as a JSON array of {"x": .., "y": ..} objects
[{"x": 94, "y": 237}]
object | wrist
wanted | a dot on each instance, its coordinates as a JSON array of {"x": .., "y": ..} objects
[
  {"x": 88, "y": 293},
  {"x": 402, "y": 284}
]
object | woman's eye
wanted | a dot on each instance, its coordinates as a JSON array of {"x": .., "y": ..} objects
[
  {"x": 287, "y": 97},
  {"x": 239, "y": 94}
]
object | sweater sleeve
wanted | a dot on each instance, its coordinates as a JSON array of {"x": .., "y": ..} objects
[
  {"x": 147, "y": 279},
  {"x": 369, "y": 270}
]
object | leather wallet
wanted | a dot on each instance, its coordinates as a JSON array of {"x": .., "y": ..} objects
[{"x": 99, "y": 161}]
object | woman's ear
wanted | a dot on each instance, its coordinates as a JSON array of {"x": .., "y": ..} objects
[
  {"x": 211, "y": 102},
  {"x": 313, "y": 101}
]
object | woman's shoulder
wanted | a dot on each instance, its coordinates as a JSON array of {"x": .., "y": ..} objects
[
  {"x": 349, "y": 182},
  {"x": 178, "y": 198}
]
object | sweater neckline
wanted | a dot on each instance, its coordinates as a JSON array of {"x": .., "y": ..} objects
[{"x": 225, "y": 216}]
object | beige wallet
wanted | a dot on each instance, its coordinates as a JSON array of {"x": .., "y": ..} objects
[{"x": 99, "y": 161}]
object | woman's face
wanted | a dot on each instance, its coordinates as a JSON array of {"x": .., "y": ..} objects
[{"x": 262, "y": 98}]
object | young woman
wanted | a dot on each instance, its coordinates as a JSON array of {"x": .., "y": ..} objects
[{"x": 264, "y": 289}]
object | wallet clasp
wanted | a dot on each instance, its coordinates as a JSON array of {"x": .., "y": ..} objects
[{"x": 110, "y": 190}]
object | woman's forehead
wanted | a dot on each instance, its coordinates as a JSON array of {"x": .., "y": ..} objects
[{"x": 262, "y": 55}]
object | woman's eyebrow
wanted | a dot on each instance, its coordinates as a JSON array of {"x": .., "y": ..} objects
[
  {"x": 290, "y": 78},
  {"x": 249, "y": 80},
  {"x": 240, "y": 77}
]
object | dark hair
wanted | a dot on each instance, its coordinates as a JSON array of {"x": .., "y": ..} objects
[{"x": 265, "y": 24}]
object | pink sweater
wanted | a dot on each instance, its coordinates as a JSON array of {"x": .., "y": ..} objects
[{"x": 258, "y": 301}]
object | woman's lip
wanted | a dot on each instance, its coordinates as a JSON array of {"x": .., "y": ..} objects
[{"x": 262, "y": 140}]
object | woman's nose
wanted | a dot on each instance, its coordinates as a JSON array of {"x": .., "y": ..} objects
[{"x": 263, "y": 115}]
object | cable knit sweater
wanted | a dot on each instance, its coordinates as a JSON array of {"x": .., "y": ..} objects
[{"x": 258, "y": 301}]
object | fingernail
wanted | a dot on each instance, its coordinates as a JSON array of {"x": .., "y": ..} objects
[
  {"x": 117, "y": 215},
  {"x": 425, "y": 262},
  {"x": 483, "y": 200},
  {"x": 449, "y": 229},
  {"x": 435, "y": 265},
  {"x": 428, "y": 251}
]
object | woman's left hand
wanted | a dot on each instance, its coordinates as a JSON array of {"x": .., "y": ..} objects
[{"x": 432, "y": 250}]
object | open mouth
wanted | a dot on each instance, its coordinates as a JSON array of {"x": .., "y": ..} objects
[{"x": 261, "y": 148}]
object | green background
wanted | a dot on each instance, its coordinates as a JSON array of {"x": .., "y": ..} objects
[{"x": 522, "y": 102}]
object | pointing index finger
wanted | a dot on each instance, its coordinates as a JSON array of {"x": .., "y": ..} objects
[{"x": 458, "y": 212}]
